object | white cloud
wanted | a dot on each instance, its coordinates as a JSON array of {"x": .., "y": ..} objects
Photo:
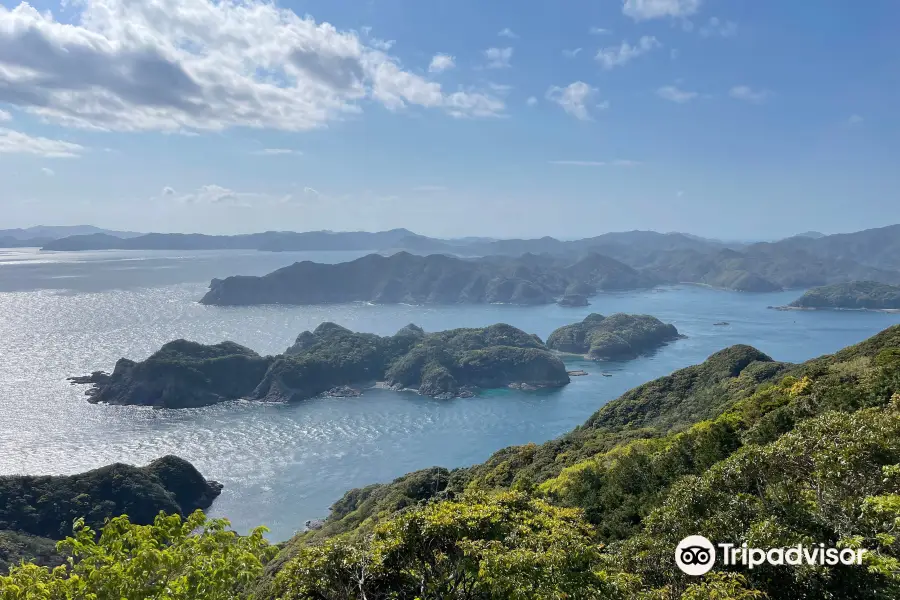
[
  {"x": 167, "y": 191},
  {"x": 574, "y": 97},
  {"x": 192, "y": 65},
  {"x": 498, "y": 58},
  {"x": 507, "y": 32},
  {"x": 596, "y": 163},
  {"x": 571, "y": 53},
  {"x": 276, "y": 151},
  {"x": 16, "y": 142},
  {"x": 531, "y": 101},
  {"x": 441, "y": 62},
  {"x": 717, "y": 27},
  {"x": 641, "y": 10},
  {"x": 674, "y": 94},
  {"x": 5, "y": 116},
  {"x": 748, "y": 94},
  {"x": 616, "y": 56},
  {"x": 430, "y": 188},
  {"x": 598, "y": 31},
  {"x": 48, "y": 171},
  {"x": 501, "y": 89},
  {"x": 854, "y": 120},
  {"x": 218, "y": 195}
]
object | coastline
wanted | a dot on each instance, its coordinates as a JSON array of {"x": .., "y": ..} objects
[{"x": 836, "y": 308}]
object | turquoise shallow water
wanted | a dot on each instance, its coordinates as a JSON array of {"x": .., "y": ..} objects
[{"x": 67, "y": 314}]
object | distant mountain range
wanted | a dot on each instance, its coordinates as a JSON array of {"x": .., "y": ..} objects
[
  {"x": 805, "y": 260},
  {"x": 41, "y": 235}
]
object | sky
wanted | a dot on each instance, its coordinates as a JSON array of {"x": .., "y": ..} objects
[{"x": 736, "y": 119}]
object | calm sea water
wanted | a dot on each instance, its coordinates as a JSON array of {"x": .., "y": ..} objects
[{"x": 65, "y": 314}]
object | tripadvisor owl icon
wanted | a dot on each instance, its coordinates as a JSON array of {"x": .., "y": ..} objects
[{"x": 695, "y": 555}]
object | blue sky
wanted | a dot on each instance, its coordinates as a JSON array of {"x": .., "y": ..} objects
[{"x": 734, "y": 119}]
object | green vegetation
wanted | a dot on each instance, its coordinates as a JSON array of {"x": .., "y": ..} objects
[
  {"x": 181, "y": 374},
  {"x": 740, "y": 449},
  {"x": 16, "y": 547},
  {"x": 435, "y": 279},
  {"x": 445, "y": 364},
  {"x": 856, "y": 294},
  {"x": 170, "y": 559},
  {"x": 47, "y": 506},
  {"x": 616, "y": 337}
]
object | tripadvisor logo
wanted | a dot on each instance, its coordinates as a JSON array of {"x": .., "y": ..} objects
[{"x": 696, "y": 555}]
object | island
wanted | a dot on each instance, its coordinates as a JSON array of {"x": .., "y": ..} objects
[
  {"x": 616, "y": 337},
  {"x": 868, "y": 295},
  {"x": 334, "y": 361},
  {"x": 573, "y": 300},
  {"x": 36, "y": 510},
  {"x": 434, "y": 279}
]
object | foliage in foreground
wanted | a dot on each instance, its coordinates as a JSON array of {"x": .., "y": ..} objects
[{"x": 172, "y": 559}]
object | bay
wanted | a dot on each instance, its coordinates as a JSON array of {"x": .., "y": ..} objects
[{"x": 65, "y": 314}]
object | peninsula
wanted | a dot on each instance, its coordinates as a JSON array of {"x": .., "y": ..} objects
[
  {"x": 854, "y": 295},
  {"x": 328, "y": 361}
]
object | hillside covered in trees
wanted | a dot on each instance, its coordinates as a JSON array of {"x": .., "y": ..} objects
[{"x": 868, "y": 295}]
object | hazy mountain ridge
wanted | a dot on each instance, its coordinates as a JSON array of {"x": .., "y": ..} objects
[{"x": 433, "y": 279}]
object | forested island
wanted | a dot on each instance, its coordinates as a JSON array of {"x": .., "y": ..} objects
[
  {"x": 740, "y": 447},
  {"x": 328, "y": 360},
  {"x": 434, "y": 279},
  {"x": 616, "y": 337},
  {"x": 37, "y": 510},
  {"x": 868, "y": 295}
]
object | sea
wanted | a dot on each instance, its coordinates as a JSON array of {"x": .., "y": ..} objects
[{"x": 71, "y": 313}]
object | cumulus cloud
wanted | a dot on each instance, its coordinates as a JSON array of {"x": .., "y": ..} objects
[
  {"x": 674, "y": 94},
  {"x": 191, "y": 65},
  {"x": 574, "y": 99},
  {"x": 48, "y": 171},
  {"x": 642, "y": 10},
  {"x": 716, "y": 27},
  {"x": 16, "y": 142},
  {"x": 167, "y": 191},
  {"x": 441, "y": 62},
  {"x": 616, "y": 56},
  {"x": 498, "y": 58},
  {"x": 748, "y": 94},
  {"x": 221, "y": 196},
  {"x": 507, "y": 32},
  {"x": 5, "y": 116}
]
